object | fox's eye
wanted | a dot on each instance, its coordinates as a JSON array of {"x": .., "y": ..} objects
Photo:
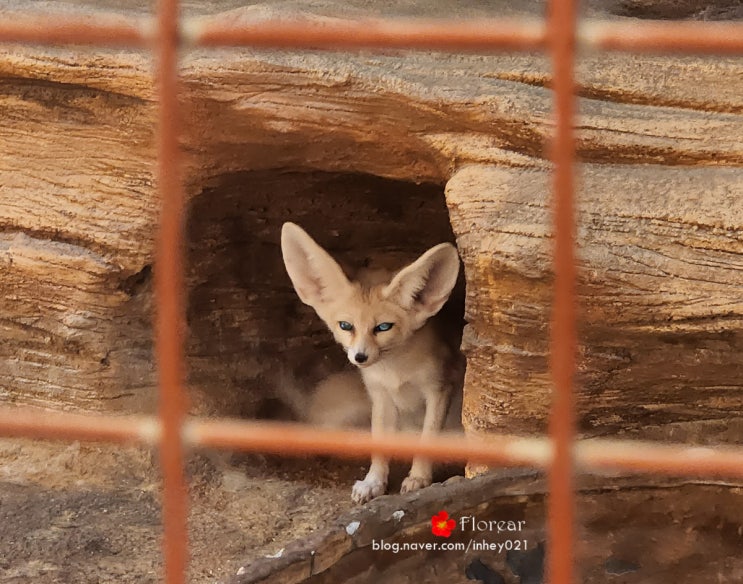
[
  {"x": 383, "y": 327},
  {"x": 345, "y": 326}
]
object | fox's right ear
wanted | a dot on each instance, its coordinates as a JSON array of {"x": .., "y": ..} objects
[{"x": 316, "y": 276}]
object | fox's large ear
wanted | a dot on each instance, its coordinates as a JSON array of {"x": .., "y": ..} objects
[
  {"x": 425, "y": 285},
  {"x": 313, "y": 272}
]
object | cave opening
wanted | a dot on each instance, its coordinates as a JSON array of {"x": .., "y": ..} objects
[{"x": 245, "y": 320}]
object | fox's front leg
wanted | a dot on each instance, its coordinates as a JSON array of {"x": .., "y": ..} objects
[
  {"x": 421, "y": 471},
  {"x": 384, "y": 420}
]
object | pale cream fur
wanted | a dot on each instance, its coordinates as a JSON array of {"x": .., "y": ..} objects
[
  {"x": 337, "y": 401},
  {"x": 410, "y": 372}
]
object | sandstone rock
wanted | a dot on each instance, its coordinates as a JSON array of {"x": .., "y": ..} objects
[
  {"x": 659, "y": 293},
  {"x": 358, "y": 148}
]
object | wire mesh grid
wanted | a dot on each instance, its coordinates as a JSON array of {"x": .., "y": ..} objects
[{"x": 559, "y": 35}]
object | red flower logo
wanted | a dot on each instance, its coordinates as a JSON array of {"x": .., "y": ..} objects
[{"x": 441, "y": 525}]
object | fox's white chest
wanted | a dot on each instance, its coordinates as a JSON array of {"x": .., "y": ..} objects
[{"x": 401, "y": 389}]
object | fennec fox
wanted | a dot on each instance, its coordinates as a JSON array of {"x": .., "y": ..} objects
[{"x": 382, "y": 322}]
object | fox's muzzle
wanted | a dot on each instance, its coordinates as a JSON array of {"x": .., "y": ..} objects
[{"x": 360, "y": 356}]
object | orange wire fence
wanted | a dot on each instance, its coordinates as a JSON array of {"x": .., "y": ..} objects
[{"x": 559, "y": 453}]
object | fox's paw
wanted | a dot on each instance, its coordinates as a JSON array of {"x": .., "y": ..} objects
[
  {"x": 367, "y": 490},
  {"x": 412, "y": 483}
]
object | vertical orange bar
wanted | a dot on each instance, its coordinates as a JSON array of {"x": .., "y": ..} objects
[
  {"x": 562, "y": 16},
  {"x": 169, "y": 296}
]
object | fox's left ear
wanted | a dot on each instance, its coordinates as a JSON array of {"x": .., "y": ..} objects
[{"x": 425, "y": 285}]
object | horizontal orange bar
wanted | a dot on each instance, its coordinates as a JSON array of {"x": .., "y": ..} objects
[
  {"x": 496, "y": 450},
  {"x": 31, "y": 423},
  {"x": 666, "y": 459},
  {"x": 663, "y": 36},
  {"x": 291, "y": 439},
  {"x": 61, "y": 30},
  {"x": 474, "y": 35}
]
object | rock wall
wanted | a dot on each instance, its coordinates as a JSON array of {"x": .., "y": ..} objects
[
  {"x": 358, "y": 148},
  {"x": 659, "y": 291}
]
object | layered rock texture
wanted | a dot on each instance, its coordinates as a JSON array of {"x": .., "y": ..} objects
[{"x": 387, "y": 153}]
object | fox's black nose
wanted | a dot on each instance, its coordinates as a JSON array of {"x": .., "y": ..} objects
[{"x": 360, "y": 357}]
